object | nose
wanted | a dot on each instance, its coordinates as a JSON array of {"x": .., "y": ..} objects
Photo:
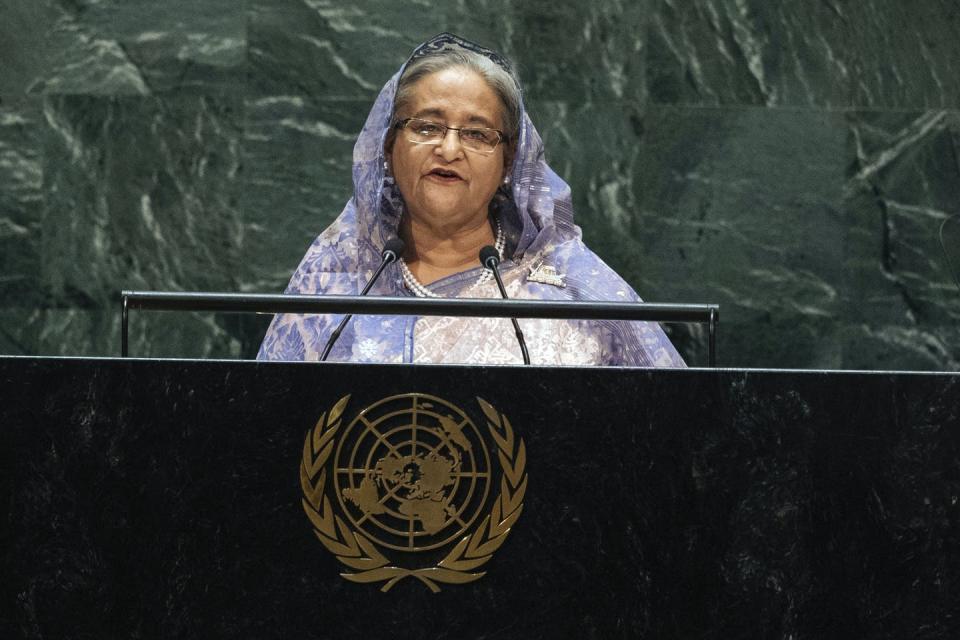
[{"x": 450, "y": 147}]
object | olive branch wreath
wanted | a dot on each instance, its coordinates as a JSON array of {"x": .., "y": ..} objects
[{"x": 357, "y": 552}]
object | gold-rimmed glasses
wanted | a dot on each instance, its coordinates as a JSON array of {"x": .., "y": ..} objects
[{"x": 477, "y": 139}]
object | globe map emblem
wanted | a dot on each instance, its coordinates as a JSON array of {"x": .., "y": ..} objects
[{"x": 412, "y": 472}]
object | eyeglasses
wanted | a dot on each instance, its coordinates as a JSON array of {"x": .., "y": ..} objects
[{"x": 476, "y": 139}]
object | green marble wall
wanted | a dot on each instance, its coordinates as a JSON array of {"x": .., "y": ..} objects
[{"x": 792, "y": 161}]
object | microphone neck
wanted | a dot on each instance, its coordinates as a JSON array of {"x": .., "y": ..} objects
[{"x": 386, "y": 259}]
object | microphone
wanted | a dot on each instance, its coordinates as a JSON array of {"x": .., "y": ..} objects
[
  {"x": 390, "y": 254},
  {"x": 490, "y": 258}
]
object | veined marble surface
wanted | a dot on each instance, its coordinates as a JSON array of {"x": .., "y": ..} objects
[
  {"x": 791, "y": 161},
  {"x": 882, "y": 53}
]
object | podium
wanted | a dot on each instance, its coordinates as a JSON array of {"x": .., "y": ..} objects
[{"x": 169, "y": 498}]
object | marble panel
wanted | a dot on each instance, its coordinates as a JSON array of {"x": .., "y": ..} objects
[
  {"x": 815, "y": 230},
  {"x": 597, "y": 150},
  {"x": 140, "y": 193},
  {"x": 581, "y": 52},
  {"x": 197, "y": 46},
  {"x": 328, "y": 49},
  {"x": 297, "y": 156},
  {"x": 739, "y": 207},
  {"x": 950, "y": 243},
  {"x": 96, "y": 333},
  {"x": 46, "y": 48},
  {"x": 903, "y": 184},
  {"x": 21, "y": 202},
  {"x": 875, "y": 53},
  {"x": 60, "y": 332},
  {"x": 325, "y": 50},
  {"x": 183, "y": 45}
]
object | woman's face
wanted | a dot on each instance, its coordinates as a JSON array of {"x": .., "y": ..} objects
[{"x": 446, "y": 186}]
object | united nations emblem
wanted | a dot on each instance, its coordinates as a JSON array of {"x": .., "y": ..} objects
[{"x": 404, "y": 489}]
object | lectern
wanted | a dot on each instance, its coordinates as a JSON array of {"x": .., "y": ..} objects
[{"x": 214, "y": 499}]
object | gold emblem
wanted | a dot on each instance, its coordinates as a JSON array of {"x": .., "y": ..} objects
[{"x": 411, "y": 478}]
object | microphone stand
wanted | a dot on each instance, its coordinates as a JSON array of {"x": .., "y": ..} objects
[
  {"x": 491, "y": 259},
  {"x": 391, "y": 252}
]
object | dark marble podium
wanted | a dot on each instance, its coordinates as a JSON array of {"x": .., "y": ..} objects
[{"x": 148, "y": 499}]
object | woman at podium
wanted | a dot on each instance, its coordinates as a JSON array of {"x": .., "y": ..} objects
[{"x": 449, "y": 162}]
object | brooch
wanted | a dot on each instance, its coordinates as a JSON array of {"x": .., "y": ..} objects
[{"x": 545, "y": 274}]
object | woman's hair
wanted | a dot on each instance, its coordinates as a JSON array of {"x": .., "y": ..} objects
[{"x": 503, "y": 82}]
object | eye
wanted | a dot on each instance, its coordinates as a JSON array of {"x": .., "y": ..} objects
[
  {"x": 479, "y": 135},
  {"x": 425, "y": 128}
]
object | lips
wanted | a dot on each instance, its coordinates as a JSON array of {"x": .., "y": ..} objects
[{"x": 440, "y": 174}]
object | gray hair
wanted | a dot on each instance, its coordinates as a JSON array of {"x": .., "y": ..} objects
[{"x": 503, "y": 82}]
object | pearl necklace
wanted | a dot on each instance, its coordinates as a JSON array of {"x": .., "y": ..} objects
[{"x": 420, "y": 290}]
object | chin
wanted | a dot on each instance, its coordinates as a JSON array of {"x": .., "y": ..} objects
[{"x": 442, "y": 210}]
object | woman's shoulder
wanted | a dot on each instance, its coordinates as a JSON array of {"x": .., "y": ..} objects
[
  {"x": 330, "y": 262},
  {"x": 581, "y": 273},
  {"x": 334, "y": 250}
]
